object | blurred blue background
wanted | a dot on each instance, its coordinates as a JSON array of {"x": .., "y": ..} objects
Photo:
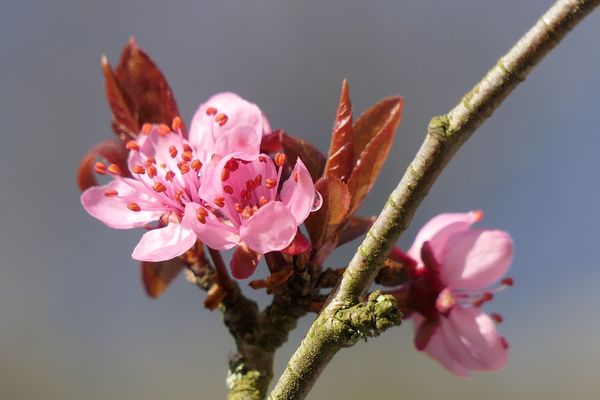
[{"x": 74, "y": 321}]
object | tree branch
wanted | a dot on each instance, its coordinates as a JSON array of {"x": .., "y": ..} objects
[{"x": 444, "y": 137}]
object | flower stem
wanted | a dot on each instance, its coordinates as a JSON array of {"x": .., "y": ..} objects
[{"x": 444, "y": 137}]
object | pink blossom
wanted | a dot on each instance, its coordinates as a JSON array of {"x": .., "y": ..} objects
[
  {"x": 167, "y": 171},
  {"x": 453, "y": 267},
  {"x": 242, "y": 207}
]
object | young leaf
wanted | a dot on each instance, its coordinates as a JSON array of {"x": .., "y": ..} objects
[
  {"x": 312, "y": 158},
  {"x": 374, "y": 120},
  {"x": 109, "y": 150},
  {"x": 379, "y": 124},
  {"x": 340, "y": 159},
  {"x": 156, "y": 276},
  {"x": 137, "y": 91},
  {"x": 322, "y": 225}
]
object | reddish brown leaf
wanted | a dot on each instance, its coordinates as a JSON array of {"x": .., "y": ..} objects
[
  {"x": 312, "y": 158},
  {"x": 374, "y": 120},
  {"x": 137, "y": 91},
  {"x": 354, "y": 228},
  {"x": 379, "y": 125},
  {"x": 322, "y": 225},
  {"x": 271, "y": 142},
  {"x": 156, "y": 276},
  {"x": 124, "y": 123},
  {"x": 108, "y": 150},
  {"x": 340, "y": 159}
]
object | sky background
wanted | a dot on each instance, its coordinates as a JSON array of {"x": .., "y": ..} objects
[{"x": 74, "y": 320}]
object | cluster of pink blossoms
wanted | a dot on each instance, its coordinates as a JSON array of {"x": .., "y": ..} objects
[
  {"x": 452, "y": 266},
  {"x": 214, "y": 186}
]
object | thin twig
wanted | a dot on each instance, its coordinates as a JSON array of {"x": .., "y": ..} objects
[{"x": 445, "y": 136}]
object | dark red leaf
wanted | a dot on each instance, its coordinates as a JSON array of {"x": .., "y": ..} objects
[
  {"x": 271, "y": 142},
  {"x": 137, "y": 91},
  {"x": 108, "y": 150},
  {"x": 378, "y": 125},
  {"x": 322, "y": 225},
  {"x": 312, "y": 158},
  {"x": 156, "y": 276},
  {"x": 354, "y": 228},
  {"x": 124, "y": 123},
  {"x": 340, "y": 159},
  {"x": 374, "y": 120}
]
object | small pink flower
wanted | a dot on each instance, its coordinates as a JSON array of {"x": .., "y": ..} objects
[
  {"x": 167, "y": 171},
  {"x": 453, "y": 265},
  {"x": 242, "y": 207}
]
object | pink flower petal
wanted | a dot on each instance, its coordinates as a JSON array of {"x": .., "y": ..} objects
[
  {"x": 472, "y": 341},
  {"x": 205, "y": 134},
  {"x": 242, "y": 138},
  {"x": 476, "y": 259},
  {"x": 164, "y": 243},
  {"x": 213, "y": 233},
  {"x": 299, "y": 194},
  {"x": 113, "y": 211},
  {"x": 436, "y": 349},
  {"x": 440, "y": 228},
  {"x": 272, "y": 228}
]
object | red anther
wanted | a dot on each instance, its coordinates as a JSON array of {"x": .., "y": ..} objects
[
  {"x": 478, "y": 215},
  {"x": 232, "y": 164},
  {"x": 138, "y": 169},
  {"x": 134, "y": 206},
  {"x": 221, "y": 119},
  {"x": 159, "y": 187},
  {"x": 132, "y": 145},
  {"x": 220, "y": 201},
  {"x": 201, "y": 217},
  {"x": 183, "y": 167},
  {"x": 497, "y": 317},
  {"x": 296, "y": 176},
  {"x": 279, "y": 159},
  {"x": 202, "y": 211},
  {"x": 188, "y": 148},
  {"x": 114, "y": 169},
  {"x": 178, "y": 195},
  {"x": 270, "y": 183},
  {"x": 228, "y": 189},
  {"x": 177, "y": 124},
  {"x": 487, "y": 296},
  {"x": 211, "y": 111},
  {"x": 100, "y": 168},
  {"x": 258, "y": 180},
  {"x": 507, "y": 281},
  {"x": 170, "y": 175},
  {"x": 146, "y": 128},
  {"x": 262, "y": 158},
  {"x": 187, "y": 156},
  {"x": 224, "y": 174},
  {"x": 164, "y": 129},
  {"x": 244, "y": 194},
  {"x": 504, "y": 342},
  {"x": 150, "y": 160},
  {"x": 111, "y": 193},
  {"x": 262, "y": 201},
  {"x": 238, "y": 207},
  {"x": 173, "y": 151},
  {"x": 196, "y": 165},
  {"x": 250, "y": 185},
  {"x": 151, "y": 171}
]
